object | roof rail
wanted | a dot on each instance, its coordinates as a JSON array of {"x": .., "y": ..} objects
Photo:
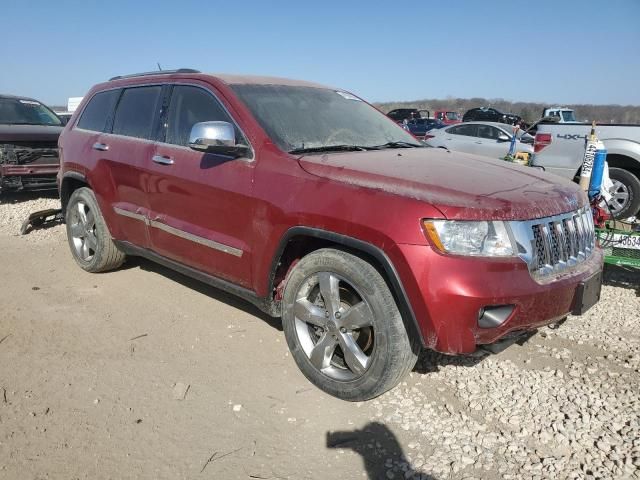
[{"x": 158, "y": 72}]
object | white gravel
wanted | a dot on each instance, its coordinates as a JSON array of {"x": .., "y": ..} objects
[
  {"x": 565, "y": 404},
  {"x": 15, "y": 208}
]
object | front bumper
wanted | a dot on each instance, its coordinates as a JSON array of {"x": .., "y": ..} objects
[
  {"x": 30, "y": 176},
  {"x": 448, "y": 292}
]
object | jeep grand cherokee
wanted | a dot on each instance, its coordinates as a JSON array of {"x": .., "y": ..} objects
[{"x": 314, "y": 206}]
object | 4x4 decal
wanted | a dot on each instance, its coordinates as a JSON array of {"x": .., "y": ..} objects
[{"x": 572, "y": 136}]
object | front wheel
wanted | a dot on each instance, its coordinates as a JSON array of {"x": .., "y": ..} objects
[{"x": 343, "y": 327}]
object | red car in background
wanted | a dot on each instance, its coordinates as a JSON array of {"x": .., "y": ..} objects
[{"x": 447, "y": 117}]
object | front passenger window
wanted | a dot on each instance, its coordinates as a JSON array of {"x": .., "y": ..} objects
[{"x": 191, "y": 105}]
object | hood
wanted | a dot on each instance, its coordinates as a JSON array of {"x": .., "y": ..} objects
[
  {"x": 461, "y": 186},
  {"x": 29, "y": 133}
]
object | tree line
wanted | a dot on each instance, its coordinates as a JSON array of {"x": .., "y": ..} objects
[{"x": 529, "y": 111}]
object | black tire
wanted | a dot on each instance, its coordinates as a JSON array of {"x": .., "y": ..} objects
[
  {"x": 629, "y": 185},
  {"x": 390, "y": 353},
  {"x": 101, "y": 253}
]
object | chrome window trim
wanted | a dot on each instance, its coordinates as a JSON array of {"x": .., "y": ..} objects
[
  {"x": 236, "y": 252},
  {"x": 153, "y": 84}
]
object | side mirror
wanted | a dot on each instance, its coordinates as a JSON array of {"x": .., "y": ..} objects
[
  {"x": 216, "y": 137},
  {"x": 503, "y": 137}
]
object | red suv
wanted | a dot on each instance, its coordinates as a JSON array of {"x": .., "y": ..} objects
[{"x": 311, "y": 204}]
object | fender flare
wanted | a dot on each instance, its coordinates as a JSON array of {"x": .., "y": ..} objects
[
  {"x": 70, "y": 175},
  {"x": 392, "y": 276}
]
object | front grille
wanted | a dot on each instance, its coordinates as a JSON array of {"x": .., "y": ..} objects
[{"x": 551, "y": 245}]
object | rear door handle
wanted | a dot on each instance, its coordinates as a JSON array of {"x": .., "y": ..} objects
[
  {"x": 162, "y": 160},
  {"x": 103, "y": 147}
]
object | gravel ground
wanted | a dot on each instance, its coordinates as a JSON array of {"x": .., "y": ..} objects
[
  {"x": 564, "y": 404},
  {"x": 16, "y": 207}
]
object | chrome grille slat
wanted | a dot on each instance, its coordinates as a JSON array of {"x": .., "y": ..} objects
[
  {"x": 561, "y": 241},
  {"x": 550, "y": 245}
]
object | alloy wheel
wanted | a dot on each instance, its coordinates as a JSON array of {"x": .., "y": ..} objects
[
  {"x": 334, "y": 325},
  {"x": 83, "y": 231},
  {"x": 619, "y": 197}
]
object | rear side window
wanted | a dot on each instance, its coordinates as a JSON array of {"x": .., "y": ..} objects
[
  {"x": 136, "y": 111},
  {"x": 95, "y": 114},
  {"x": 467, "y": 130},
  {"x": 487, "y": 131},
  {"x": 190, "y": 105}
]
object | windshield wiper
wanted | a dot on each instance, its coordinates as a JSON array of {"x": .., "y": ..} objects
[
  {"x": 330, "y": 148},
  {"x": 398, "y": 145}
]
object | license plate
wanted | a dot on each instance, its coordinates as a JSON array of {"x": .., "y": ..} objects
[
  {"x": 587, "y": 294},
  {"x": 631, "y": 242}
]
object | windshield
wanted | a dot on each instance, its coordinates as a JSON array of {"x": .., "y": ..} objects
[
  {"x": 18, "y": 111},
  {"x": 452, "y": 116},
  {"x": 302, "y": 118},
  {"x": 568, "y": 116}
]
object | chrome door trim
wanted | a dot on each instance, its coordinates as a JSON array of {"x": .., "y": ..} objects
[
  {"x": 236, "y": 252},
  {"x": 221, "y": 247},
  {"x": 127, "y": 213}
]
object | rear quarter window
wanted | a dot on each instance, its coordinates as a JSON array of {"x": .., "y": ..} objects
[
  {"x": 98, "y": 110},
  {"x": 136, "y": 111}
]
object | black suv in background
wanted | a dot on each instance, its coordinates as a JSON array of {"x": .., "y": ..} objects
[
  {"x": 488, "y": 114},
  {"x": 29, "y": 134},
  {"x": 400, "y": 114}
]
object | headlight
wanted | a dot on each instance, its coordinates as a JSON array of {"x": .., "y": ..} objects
[{"x": 484, "y": 239}]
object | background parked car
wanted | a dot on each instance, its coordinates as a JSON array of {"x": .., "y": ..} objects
[
  {"x": 29, "y": 134},
  {"x": 420, "y": 126},
  {"x": 488, "y": 114},
  {"x": 488, "y": 139},
  {"x": 400, "y": 114},
  {"x": 447, "y": 117}
]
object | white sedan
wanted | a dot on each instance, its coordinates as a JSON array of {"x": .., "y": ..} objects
[{"x": 489, "y": 139}]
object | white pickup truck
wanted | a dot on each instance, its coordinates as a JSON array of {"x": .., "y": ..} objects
[{"x": 559, "y": 148}]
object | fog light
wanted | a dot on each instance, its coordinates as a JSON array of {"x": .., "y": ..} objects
[{"x": 494, "y": 316}]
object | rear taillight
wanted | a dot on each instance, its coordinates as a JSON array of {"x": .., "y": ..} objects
[
  {"x": 542, "y": 140},
  {"x": 427, "y": 136}
]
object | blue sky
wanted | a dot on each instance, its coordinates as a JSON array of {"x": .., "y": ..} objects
[{"x": 561, "y": 51}]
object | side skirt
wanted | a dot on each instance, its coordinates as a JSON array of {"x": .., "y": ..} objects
[{"x": 267, "y": 305}]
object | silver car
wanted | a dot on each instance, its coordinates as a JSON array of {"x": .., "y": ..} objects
[{"x": 489, "y": 139}]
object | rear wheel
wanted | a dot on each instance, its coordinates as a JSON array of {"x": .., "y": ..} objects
[
  {"x": 89, "y": 239},
  {"x": 343, "y": 327},
  {"x": 625, "y": 201}
]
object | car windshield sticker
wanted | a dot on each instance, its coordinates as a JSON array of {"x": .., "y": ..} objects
[{"x": 348, "y": 96}]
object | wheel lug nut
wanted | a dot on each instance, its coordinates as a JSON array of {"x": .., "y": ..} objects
[
  {"x": 338, "y": 314},
  {"x": 326, "y": 313},
  {"x": 343, "y": 330}
]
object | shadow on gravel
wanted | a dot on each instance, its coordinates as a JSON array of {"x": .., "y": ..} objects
[
  {"x": 375, "y": 443},
  {"x": 21, "y": 197},
  {"x": 430, "y": 361},
  {"x": 202, "y": 288},
  {"x": 624, "y": 277}
]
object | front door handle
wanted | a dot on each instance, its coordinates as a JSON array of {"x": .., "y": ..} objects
[
  {"x": 103, "y": 147},
  {"x": 162, "y": 160}
]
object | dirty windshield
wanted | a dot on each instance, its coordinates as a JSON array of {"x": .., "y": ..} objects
[
  {"x": 307, "y": 119},
  {"x": 18, "y": 111}
]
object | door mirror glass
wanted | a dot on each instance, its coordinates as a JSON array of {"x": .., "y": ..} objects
[
  {"x": 216, "y": 137},
  {"x": 503, "y": 137}
]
